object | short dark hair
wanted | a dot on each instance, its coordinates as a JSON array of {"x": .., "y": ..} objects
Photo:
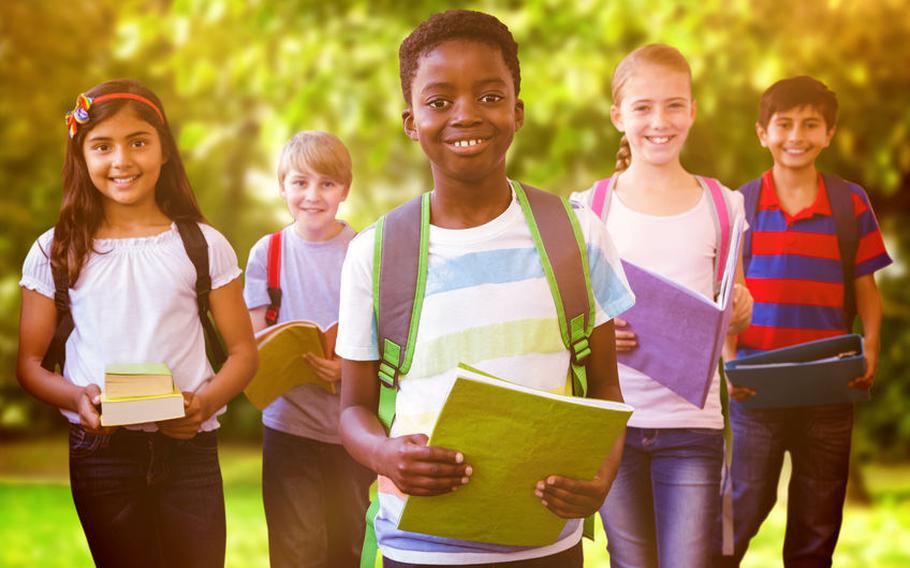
[
  {"x": 456, "y": 24},
  {"x": 797, "y": 92}
]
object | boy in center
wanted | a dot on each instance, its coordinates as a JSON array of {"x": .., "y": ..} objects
[{"x": 487, "y": 300}]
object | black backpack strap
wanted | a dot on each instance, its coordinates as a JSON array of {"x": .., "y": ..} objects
[
  {"x": 197, "y": 249},
  {"x": 751, "y": 192},
  {"x": 841, "y": 199},
  {"x": 56, "y": 351}
]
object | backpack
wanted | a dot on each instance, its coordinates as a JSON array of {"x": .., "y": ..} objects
[
  {"x": 400, "y": 260},
  {"x": 197, "y": 249},
  {"x": 723, "y": 213},
  {"x": 841, "y": 199}
]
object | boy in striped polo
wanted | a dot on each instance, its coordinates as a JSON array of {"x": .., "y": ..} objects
[
  {"x": 802, "y": 292},
  {"x": 487, "y": 301}
]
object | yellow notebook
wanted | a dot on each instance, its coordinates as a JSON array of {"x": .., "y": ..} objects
[
  {"x": 139, "y": 393},
  {"x": 281, "y": 363}
]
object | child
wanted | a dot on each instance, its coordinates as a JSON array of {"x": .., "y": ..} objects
[
  {"x": 661, "y": 508},
  {"x": 150, "y": 494},
  {"x": 315, "y": 495},
  {"x": 801, "y": 289},
  {"x": 487, "y": 301}
]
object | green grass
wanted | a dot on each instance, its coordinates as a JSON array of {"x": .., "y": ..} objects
[{"x": 39, "y": 527}]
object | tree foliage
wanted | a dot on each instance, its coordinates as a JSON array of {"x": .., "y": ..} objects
[{"x": 239, "y": 77}]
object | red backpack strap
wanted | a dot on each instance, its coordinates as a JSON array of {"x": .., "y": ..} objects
[
  {"x": 722, "y": 224},
  {"x": 600, "y": 199},
  {"x": 273, "y": 268}
]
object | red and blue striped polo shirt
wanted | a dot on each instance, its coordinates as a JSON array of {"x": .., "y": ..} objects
[{"x": 795, "y": 276}]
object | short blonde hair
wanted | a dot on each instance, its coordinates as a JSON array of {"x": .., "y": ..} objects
[{"x": 317, "y": 151}]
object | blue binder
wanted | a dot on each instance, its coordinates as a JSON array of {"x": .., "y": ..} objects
[{"x": 810, "y": 374}]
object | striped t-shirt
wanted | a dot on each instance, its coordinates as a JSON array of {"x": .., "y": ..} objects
[
  {"x": 795, "y": 276},
  {"x": 487, "y": 304}
]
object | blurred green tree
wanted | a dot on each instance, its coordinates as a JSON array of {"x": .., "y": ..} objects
[{"x": 240, "y": 77}]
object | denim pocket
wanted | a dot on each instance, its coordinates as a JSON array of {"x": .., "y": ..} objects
[
  {"x": 83, "y": 444},
  {"x": 202, "y": 443}
]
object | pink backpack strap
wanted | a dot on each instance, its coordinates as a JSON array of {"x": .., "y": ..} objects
[
  {"x": 722, "y": 225},
  {"x": 600, "y": 197}
]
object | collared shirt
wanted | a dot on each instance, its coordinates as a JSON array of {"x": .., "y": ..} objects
[{"x": 795, "y": 276}]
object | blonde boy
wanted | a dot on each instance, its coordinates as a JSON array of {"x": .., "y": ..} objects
[{"x": 315, "y": 495}]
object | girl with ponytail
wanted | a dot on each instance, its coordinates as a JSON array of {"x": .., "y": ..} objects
[{"x": 662, "y": 507}]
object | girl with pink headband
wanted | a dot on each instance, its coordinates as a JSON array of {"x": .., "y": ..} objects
[{"x": 114, "y": 283}]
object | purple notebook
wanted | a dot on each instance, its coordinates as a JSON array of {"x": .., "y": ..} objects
[{"x": 680, "y": 332}]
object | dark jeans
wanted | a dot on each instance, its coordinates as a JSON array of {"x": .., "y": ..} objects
[
  {"x": 818, "y": 439},
  {"x": 315, "y": 497},
  {"x": 148, "y": 500},
  {"x": 571, "y": 558},
  {"x": 662, "y": 506}
]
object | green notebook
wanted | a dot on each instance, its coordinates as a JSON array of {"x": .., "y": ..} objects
[{"x": 513, "y": 437}]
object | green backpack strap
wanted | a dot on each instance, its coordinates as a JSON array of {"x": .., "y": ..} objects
[
  {"x": 561, "y": 247},
  {"x": 400, "y": 252}
]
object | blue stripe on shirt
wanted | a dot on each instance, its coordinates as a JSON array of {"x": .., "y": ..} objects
[
  {"x": 796, "y": 267},
  {"x": 797, "y": 316}
]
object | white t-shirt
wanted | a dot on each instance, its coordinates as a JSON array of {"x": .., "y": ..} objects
[
  {"x": 310, "y": 280},
  {"x": 682, "y": 248},
  {"x": 487, "y": 304},
  {"x": 135, "y": 302}
]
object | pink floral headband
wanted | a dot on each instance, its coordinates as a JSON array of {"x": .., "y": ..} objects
[{"x": 79, "y": 114}]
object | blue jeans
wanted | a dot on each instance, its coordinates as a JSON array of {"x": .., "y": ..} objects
[
  {"x": 148, "y": 500},
  {"x": 316, "y": 497},
  {"x": 571, "y": 558},
  {"x": 662, "y": 507},
  {"x": 818, "y": 439}
]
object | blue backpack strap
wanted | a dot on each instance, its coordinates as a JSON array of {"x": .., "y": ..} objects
[
  {"x": 197, "y": 249},
  {"x": 841, "y": 199},
  {"x": 751, "y": 192}
]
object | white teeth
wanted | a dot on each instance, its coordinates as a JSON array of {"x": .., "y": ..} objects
[
  {"x": 467, "y": 143},
  {"x": 124, "y": 180},
  {"x": 659, "y": 139},
  {"x": 795, "y": 151}
]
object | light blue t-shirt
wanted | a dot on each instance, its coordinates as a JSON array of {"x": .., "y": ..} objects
[{"x": 310, "y": 288}]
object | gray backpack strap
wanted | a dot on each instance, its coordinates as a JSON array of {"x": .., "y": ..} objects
[
  {"x": 399, "y": 282},
  {"x": 563, "y": 253}
]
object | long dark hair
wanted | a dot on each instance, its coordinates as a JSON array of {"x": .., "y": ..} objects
[{"x": 81, "y": 211}]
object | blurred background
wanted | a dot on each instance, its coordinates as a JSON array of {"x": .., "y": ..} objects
[{"x": 238, "y": 78}]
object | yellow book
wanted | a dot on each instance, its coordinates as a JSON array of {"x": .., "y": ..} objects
[
  {"x": 140, "y": 409},
  {"x": 281, "y": 362},
  {"x": 143, "y": 379}
]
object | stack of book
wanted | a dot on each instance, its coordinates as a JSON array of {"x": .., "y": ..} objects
[{"x": 137, "y": 393}]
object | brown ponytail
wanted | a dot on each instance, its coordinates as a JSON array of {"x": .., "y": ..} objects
[{"x": 624, "y": 155}]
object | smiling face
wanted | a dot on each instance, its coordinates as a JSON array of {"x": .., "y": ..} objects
[
  {"x": 463, "y": 111},
  {"x": 123, "y": 155},
  {"x": 795, "y": 137},
  {"x": 313, "y": 201},
  {"x": 655, "y": 112}
]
